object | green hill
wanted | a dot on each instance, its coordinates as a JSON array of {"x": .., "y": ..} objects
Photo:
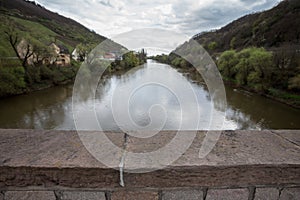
[
  {"x": 37, "y": 27},
  {"x": 259, "y": 52},
  {"x": 41, "y": 26},
  {"x": 274, "y": 28}
]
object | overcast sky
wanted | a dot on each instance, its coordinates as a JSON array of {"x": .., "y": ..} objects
[{"x": 189, "y": 17}]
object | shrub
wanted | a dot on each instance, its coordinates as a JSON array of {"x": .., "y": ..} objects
[{"x": 11, "y": 80}]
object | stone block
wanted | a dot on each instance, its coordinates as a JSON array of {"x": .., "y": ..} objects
[
  {"x": 290, "y": 194},
  {"x": 227, "y": 194},
  {"x": 134, "y": 195},
  {"x": 82, "y": 195},
  {"x": 182, "y": 195},
  {"x": 266, "y": 194},
  {"x": 29, "y": 195}
]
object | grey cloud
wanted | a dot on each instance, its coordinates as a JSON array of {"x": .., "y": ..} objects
[
  {"x": 106, "y": 3},
  {"x": 188, "y": 16},
  {"x": 215, "y": 15}
]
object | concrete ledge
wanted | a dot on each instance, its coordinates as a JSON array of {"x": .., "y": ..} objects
[{"x": 57, "y": 159}]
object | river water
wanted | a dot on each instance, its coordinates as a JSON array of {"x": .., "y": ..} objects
[{"x": 52, "y": 108}]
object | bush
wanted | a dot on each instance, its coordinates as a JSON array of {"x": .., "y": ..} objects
[
  {"x": 294, "y": 83},
  {"x": 11, "y": 80}
]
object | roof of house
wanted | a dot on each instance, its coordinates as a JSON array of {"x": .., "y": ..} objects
[{"x": 63, "y": 49}]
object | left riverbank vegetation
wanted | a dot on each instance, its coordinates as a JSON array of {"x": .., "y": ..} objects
[
  {"x": 259, "y": 52},
  {"x": 40, "y": 49}
]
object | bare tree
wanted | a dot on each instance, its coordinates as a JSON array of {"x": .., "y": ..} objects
[{"x": 14, "y": 40}]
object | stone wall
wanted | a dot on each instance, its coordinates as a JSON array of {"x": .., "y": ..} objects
[
  {"x": 55, "y": 165},
  {"x": 259, "y": 193}
]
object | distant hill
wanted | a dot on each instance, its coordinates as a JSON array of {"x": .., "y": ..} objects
[
  {"x": 39, "y": 25},
  {"x": 258, "y": 52},
  {"x": 274, "y": 28}
]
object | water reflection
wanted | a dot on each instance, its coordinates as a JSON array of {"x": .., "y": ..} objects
[
  {"x": 45, "y": 109},
  {"x": 52, "y": 108}
]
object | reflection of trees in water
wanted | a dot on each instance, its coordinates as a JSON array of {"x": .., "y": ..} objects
[
  {"x": 39, "y": 110},
  {"x": 264, "y": 112},
  {"x": 46, "y": 115}
]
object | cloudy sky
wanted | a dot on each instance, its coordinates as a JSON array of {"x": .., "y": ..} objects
[{"x": 111, "y": 17}]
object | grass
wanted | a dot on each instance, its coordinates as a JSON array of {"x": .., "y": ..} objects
[
  {"x": 28, "y": 30},
  {"x": 283, "y": 94},
  {"x": 42, "y": 34}
]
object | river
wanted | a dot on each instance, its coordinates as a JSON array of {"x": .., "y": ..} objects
[{"x": 52, "y": 108}]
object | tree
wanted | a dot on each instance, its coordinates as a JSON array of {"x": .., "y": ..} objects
[
  {"x": 250, "y": 67},
  {"x": 83, "y": 50},
  {"x": 232, "y": 42},
  {"x": 242, "y": 71},
  {"x": 142, "y": 56},
  {"x": 11, "y": 80},
  {"x": 212, "y": 45},
  {"x": 261, "y": 66},
  {"x": 14, "y": 41},
  {"x": 130, "y": 60},
  {"x": 226, "y": 63}
]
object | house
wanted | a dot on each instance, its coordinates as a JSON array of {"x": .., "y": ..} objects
[
  {"x": 109, "y": 56},
  {"x": 75, "y": 55},
  {"x": 118, "y": 55},
  {"x": 62, "y": 53},
  {"x": 56, "y": 55}
]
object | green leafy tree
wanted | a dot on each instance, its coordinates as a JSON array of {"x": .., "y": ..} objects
[
  {"x": 130, "y": 60},
  {"x": 227, "y": 62},
  {"x": 212, "y": 45},
  {"x": 232, "y": 42},
  {"x": 261, "y": 66},
  {"x": 11, "y": 80},
  {"x": 250, "y": 67},
  {"x": 83, "y": 50}
]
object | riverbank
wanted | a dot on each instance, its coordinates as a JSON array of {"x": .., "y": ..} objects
[
  {"x": 17, "y": 80},
  {"x": 290, "y": 99}
]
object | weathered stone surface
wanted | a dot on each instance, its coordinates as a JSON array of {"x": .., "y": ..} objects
[
  {"x": 58, "y": 158},
  {"x": 182, "y": 195},
  {"x": 1, "y": 196},
  {"x": 290, "y": 194},
  {"x": 53, "y": 177},
  {"x": 82, "y": 195},
  {"x": 243, "y": 148},
  {"x": 35, "y": 157},
  {"x": 50, "y": 149},
  {"x": 134, "y": 195},
  {"x": 233, "y": 148},
  {"x": 227, "y": 194},
  {"x": 239, "y": 158},
  {"x": 292, "y": 136},
  {"x": 266, "y": 194},
  {"x": 29, "y": 195}
]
